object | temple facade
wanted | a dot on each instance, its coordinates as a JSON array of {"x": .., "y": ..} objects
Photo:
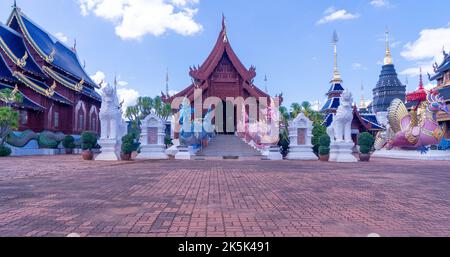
[
  {"x": 442, "y": 77},
  {"x": 58, "y": 95},
  {"x": 389, "y": 86},
  {"x": 222, "y": 75}
]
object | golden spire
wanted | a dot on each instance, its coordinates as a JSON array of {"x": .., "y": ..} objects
[
  {"x": 362, "y": 104},
  {"x": 336, "y": 73},
  {"x": 388, "y": 56}
]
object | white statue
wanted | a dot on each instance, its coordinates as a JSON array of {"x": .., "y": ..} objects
[
  {"x": 111, "y": 121},
  {"x": 340, "y": 131},
  {"x": 113, "y": 126},
  {"x": 341, "y": 128}
]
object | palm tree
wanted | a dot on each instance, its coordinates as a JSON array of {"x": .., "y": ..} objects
[
  {"x": 295, "y": 109},
  {"x": 9, "y": 97},
  {"x": 145, "y": 105},
  {"x": 306, "y": 108}
]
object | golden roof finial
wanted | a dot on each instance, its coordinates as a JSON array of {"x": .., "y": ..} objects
[
  {"x": 362, "y": 104},
  {"x": 336, "y": 73},
  {"x": 388, "y": 56}
]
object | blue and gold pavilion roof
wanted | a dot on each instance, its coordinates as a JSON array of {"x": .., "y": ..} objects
[
  {"x": 371, "y": 119},
  {"x": 50, "y": 49},
  {"x": 5, "y": 72},
  {"x": 332, "y": 103},
  {"x": 12, "y": 44},
  {"x": 440, "y": 69},
  {"x": 336, "y": 88}
]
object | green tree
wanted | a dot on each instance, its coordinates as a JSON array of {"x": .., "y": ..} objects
[
  {"x": 10, "y": 97},
  {"x": 9, "y": 121}
]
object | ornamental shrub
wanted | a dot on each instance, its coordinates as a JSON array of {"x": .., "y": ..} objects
[
  {"x": 324, "y": 150},
  {"x": 5, "y": 151},
  {"x": 88, "y": 140},
  {"x": 69, "y": 142},
  {"x": 324, "y": 142},
  {"x": 365, "y": 142},
  {"x": 129, "y": 143}
]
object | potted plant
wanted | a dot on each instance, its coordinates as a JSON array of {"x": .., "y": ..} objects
[
  {"x": 88, "y": 141},
  {"x": 324, "y": 148},
  {"x": 5, "y": 151},
  {"x": 69, "y": 144},
  {"x": 365, "y": 142},
  {"x": 129, "y": 145}
]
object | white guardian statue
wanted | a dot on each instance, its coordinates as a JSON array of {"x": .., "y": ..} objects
[
  {"x": 113, "y": 126},
  {"x": 341, "y": 128},
  {"x": 340, "y": 131}
]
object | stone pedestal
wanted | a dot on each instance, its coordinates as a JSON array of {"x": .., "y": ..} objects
[
  {"x": 152, "y": 152},
  {"x": 300, "y": 135},
  {"x": 342, "y": 152},
  {"x": 183, "y": 153},
  {"x": 432, "y": 155},
  {"x": 110, "y": 150},
  {"x": 302, "y": 153},
  {"x": 274, "y": 153},
  {"x": 152, "y": 139}
]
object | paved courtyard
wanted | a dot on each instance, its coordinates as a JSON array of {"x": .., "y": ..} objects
[{"x": 55, "y": 196}]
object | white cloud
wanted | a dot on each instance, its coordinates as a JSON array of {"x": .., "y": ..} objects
[
  {"x": 98, "y": 77},
  {"x": 136, "y": 18},
  {"x": 358, "y": 66},
  {"x": 429, "y": 86},
  {"x": 331, "y": 15},
  {"x": 380, "y": 3},
  {"x": 122, "y": 83},
  {"x": 128, "y": 96},
  {"x": 61, "y": 37},
  {"x": 415, "y": 71},
  {"x": 428, "y": 45},
  {"x": 173, "y": 92},
  {"x": 426, "y": 50}
]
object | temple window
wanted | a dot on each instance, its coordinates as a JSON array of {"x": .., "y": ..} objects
[
  {"x": 56, "y": 120},
  {"x": 81, "y": 122},
  {"x": 94, "y": 124}
]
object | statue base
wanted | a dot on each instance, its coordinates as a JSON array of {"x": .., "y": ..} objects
[
  {"x": 301, "y": 153},
  {"x": 274, "y": 153},
  {"x": 432, "y": 155},
  {"x": 183, "y": 153},
  {"x": 110, "y": 150},
  {"x": 342, "y": 152},
  {"x": 152, "y": 152}
]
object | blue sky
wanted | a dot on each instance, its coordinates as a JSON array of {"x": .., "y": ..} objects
[{"x": 289, "y": 40}]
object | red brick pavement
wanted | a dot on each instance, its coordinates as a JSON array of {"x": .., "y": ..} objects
[{"x": 55, "y": 196}]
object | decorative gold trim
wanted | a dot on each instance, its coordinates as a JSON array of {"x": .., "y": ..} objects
[
  {"x": 51, "y": 90},
  {"x": 51, "y": 57},
  {"x": 19, "y": 62},
  {"x": 79, "y": 86},
  {"x": 29, "y": 83}
]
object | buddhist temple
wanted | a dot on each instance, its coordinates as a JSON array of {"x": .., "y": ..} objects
[
  {"x": 389, "y": 86},
  {"x": 336, "y": 89},
  {"x": 221, "y": 75},
  {"x": 58, "y": 95},
  {"x": 442, "y": 77},
  {"x": 363, "y": 120}
]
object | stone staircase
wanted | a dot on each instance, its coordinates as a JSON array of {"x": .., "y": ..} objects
[{"x": 228, "y": 147}]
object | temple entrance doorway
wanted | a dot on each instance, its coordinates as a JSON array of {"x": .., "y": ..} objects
[{"x": 226, "y": 119}]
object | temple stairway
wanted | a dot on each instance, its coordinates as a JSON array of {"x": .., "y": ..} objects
[{"x": 228, "y": 146}]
